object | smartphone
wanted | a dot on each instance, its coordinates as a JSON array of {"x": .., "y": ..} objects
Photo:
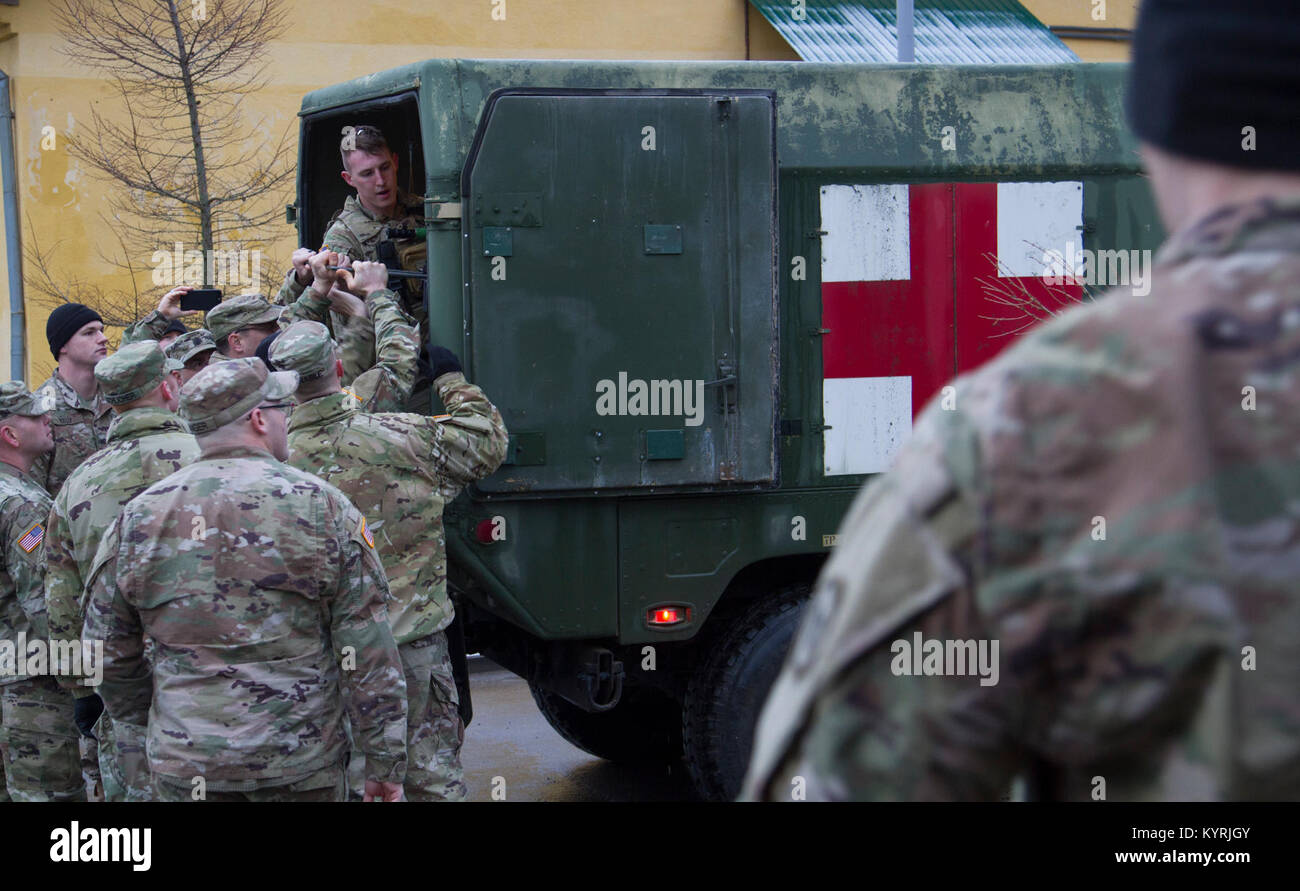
[{"x": 201, "y": 298}]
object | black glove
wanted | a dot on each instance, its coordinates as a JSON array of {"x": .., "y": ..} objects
[
  {"x": 86, "y": 712},
  {"x": 444, "y": 361}
]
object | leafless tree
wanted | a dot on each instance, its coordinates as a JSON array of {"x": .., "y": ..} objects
[
  {"x": 118, "y": 308},
  {"x": 192, "y": 166}
]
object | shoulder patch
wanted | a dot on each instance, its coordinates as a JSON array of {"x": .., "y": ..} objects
[
  {"x": 365, "y": 534},
  {"x": 32, "y": 540}
]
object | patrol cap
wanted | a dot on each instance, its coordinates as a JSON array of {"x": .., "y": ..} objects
[
  {"x": 187, "y": 346},
  {"x": 243, "y": 311},
  {"x": 15, "y": 399},
  {"x": 224, "y": 391},
  {"x": 132, "y": 372},
  {"x": 304, "y": 347}
]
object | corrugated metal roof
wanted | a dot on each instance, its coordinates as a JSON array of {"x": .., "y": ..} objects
[{"x": 990, "y": 32}]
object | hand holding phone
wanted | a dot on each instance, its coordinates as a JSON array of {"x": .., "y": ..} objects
[{"x": 201, "y": 299}]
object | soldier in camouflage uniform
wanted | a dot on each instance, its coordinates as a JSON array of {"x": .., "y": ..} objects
[
  {"x": 261, "y": 590},
  {"x": 1113, "y": 500},
  {"x": 400, "y": 469},
  {"x": 192, "y": 350},
  {"x": 38, "y": 739},
  {"x": 80, "y": 417},
  {"x": 370, "y": 167},
  {"x": 161, "y": 324},
  {"x": 239, "y": 324},
  {"x": 146, "y": 443}
]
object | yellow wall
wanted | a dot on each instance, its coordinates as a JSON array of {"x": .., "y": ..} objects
[
  {"x": 1099, "y": 14},
  {"x": 60, "y": 201}
]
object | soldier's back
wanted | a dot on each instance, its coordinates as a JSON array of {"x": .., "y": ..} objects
[
  {"x": 95, "y": 492},
  {"x": 1112, "y": 501},
  {"x": 232, "y": 563},
  {"x": 385, "y": 464}
]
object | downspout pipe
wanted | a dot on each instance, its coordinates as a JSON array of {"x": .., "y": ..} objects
[
  {"x": 13, "y": 233},
  {"x": 906, "y": 18}
]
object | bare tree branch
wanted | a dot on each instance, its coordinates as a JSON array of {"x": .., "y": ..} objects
[
  {"x": 1009, "y": 291},
  {"x": 191, "y": 165}
]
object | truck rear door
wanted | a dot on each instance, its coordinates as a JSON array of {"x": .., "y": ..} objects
[{"x": 620, "y": 286}]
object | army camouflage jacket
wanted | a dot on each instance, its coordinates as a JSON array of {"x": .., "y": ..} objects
[
  {"x": 80, "y": 429},
  {"x": 144, "y": 445},
  {"x": 264, "y": 598},
  {"x": 1113, "y": 501},
  {"x": 151, "y": 327},
  {"x": 387, "y": 384},
  {"x": 24, "y": 506},
  {"x": 354, "y": 231},
  {"x": 400, "y": 469}
]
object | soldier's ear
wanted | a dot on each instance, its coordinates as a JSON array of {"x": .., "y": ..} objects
[
  {"x": 9, "y": 436},
  {"x": 347, "y": 177}
]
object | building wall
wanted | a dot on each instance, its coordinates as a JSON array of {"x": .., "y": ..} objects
[
  {"x": 62, "y": 205},
  {"x": 1097, "y": 16}
]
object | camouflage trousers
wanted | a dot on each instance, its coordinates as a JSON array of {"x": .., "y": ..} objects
[
  {"x": 123, "y": 764},
  {"x": 329, "y": 784},
  {"x": 434, "y": 731},
  {"x": 89, "y": 750},
  {"x": 38, "y": 740}
]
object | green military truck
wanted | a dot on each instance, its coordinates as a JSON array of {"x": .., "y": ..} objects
[{"x": 708, "y": 299}]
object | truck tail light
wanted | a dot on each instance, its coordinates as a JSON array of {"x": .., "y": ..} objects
[
  {"x": 483, "y": 531},
  {"x": 665, "y": 616}
]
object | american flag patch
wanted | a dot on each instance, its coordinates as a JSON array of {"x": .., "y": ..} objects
[
  {"x": 365, "y": 533},
  {"x": 32, "y": 539}
]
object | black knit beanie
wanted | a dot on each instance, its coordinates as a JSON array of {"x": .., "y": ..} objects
[
  {"x": 1218, "y": 81},
  {"x": 66, "y": 321}
]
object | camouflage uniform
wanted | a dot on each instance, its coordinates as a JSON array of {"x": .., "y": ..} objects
[
  {"x": 80, "y": 430},
  {"x": 400, "y": 469},
  {"x": 151, "y": 327},
  {"x": 145, "y": 445},
  {"x": 191, "y": 344},
  {"x": 387, "y": 385},
  {"x": 261, "y": 590},
  {"x": 38, "y": 737},
  {"x": 234, "y": 313},
  {"x": 355, "y": 231},
  {"x": 1121, "y": 657}
]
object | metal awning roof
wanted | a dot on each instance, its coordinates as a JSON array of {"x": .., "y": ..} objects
[{"x": 990, "y": 32}]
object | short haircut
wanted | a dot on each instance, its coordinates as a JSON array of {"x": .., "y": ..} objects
[{"x": 366, "y": 139}]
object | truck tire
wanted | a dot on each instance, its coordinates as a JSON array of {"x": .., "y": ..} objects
[
  {"x": 726, "y": 694},
  {"x": 645, "y": 728}
]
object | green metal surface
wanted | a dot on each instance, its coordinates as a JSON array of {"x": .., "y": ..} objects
[
  {"x": 650, "y": 279},
  {"x": 665, "y": 445},
  {"x": 498, "y": 241},
  {"x": 587, "y": 567},
  {"x": 946, "y": 32},
  {"x": 686, "y": 550}
]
